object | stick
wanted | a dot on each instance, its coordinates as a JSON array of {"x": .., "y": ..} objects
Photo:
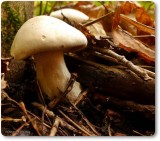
[
  {"x": 96, "y": 20},
  {"x": 86, "y": 120},
  {"x": 81, "y": 97},
  {"x": 75, "y": 124},
  {"x": 53, "y": 103},
  {"x": 111, "y": 59},
  {"x": 137, "y": 70},
  {"x": 23, "y": 108},
  {"x": 20, "y": 128},
  {"x": 52, "y": 115},
  {"x": 54, "y": 128}
]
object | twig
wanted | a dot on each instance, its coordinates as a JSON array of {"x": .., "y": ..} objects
[
  {"x": 109, "y": 129},
  {"x": 96, "y": 20},
  {"x": 138, "y": 133},
  {"x": 103, "y": 4},
  {"x": 81, "y": 97},
  {"x": 105, "y": 57},
  {"x": 12, "y": 119},
  {"x": 143, "y": 36},
  {"x": 62, "y": 132},
  {"x": 145, "y": 68},
  {"x": 46, "y": 123},
  {"x": 23, "y": 108},
  {"x": 86, "y": 120},
  {"x": 109, "y": 58},
  {"x": 97, "y": 65},
  {"x": 75, "y": 124},
  {"x": 55, "y": 126},
  {"x": 137, "y": 70},
  {"x": 6, "y": 58},
  {"x": 52, "y": 115},
  {"x": 5, "y": 95},
  {"x": 150, "y": 73},
  {"x": 53, "y": 103},
  {"x": 43, "y": 114},
  {"x": 21, "y": 127}
]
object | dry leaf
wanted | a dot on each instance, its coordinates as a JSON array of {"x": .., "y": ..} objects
[
  {"x": 116, "y": 18},
  {"x": 139, "y": 26},
  {"x": 143, "y": 17},
  {"x": 139, "y": 12},
  {"x": 90, "y": 9},
  {"x": 141, "y": 20},
  {"x": 97, "y": 30},
  {"x": 127, "y": 42},
  {"x": 128, "y": 7}
]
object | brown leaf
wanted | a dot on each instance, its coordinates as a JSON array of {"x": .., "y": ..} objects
[
  {"x": 124, "y": 40},
  {"x": 95, "y": 12},
  {"x": 139, "y": 12},
  {"x": 139, "y": 18},
  {"x": 116, "y": 18},
  {"x": 90, "y": 9},
  {"x": 128, "y": 7},
  {"x": 143, "y": 17},
  {"x": 97, "y": 30},
  {"x": 139, "y": 26}
]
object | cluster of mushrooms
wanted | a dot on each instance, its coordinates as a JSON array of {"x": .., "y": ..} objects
[{"x": 46, "y": 38}]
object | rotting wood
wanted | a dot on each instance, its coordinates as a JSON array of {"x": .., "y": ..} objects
[
  {"x": 120, "y": 83},
  {"x": 147, "y": 111}
]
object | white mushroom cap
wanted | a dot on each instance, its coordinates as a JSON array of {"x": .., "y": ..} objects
[
  {"x": 72, "y": 14},
  {"x": 45, "y": 33}
]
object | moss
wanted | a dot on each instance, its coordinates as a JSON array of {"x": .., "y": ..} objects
[{"x": 10, "y": 24}]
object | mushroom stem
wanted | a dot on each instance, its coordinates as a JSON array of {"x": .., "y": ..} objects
[{"x": 54, "y": 76}]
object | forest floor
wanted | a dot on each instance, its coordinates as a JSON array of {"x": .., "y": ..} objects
[{"x": 117, "y": 76}]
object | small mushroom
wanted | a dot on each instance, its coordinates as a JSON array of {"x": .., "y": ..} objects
[
  {"x": 72, "y": 14},
  {"x": 76, "y": 16},
  {"x": 47, "y": 38}
]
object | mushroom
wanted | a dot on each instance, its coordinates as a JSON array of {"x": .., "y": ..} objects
[
  {"x": 72, "y": 14},
  {"x": 76, "y": 16},
  {"x": 47, "y": 38}
]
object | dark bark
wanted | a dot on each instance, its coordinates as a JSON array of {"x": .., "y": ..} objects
[
  {"x": 145, "y": 111},
  {"x": 120, "y": 83}
]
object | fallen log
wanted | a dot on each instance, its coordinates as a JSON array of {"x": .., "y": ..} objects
[
  {"x": 116, "y": 82},
  {"x": 146, "y": 111}
]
